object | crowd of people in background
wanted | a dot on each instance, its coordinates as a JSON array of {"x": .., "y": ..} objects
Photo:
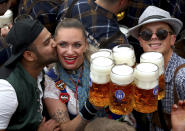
[{"x": 44, "y": 57}]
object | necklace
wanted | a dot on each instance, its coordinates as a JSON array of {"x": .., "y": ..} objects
[{"x": 76, "y": 85}]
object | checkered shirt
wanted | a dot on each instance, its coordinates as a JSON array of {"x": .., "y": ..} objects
[
  {"x": 99, "y": 23},
  {"x": 168, "y": 100}
]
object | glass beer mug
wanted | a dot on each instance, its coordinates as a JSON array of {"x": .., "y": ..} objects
[
  {"x": 146, "y": 87},
  {"x": 121, "y": 89},
  {"x": 124, "y": 54},
  {"x": 100, "y": 75},
  {"x": 156, "y": 58},
  {"x": 102, "y": 52}
]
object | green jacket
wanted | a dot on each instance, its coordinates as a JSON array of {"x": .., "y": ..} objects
[{"x": 28, "y": 115}]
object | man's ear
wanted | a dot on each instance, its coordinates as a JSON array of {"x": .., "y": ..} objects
[
  {"x": 140, "y": 41},
  {"x": 29, "y": 56},
  {"x": 173, "y": 39}
]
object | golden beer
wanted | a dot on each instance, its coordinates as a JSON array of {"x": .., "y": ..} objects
[
  {"x": 100, "y": 75},
  {"x": 162, "y": 88},
  {"x": 124, "y": 54},
  {"x": 99, "y": 94},
  {"x": 156, "y": 58},
  {"x": 121, "y": 90},
  {"x": 146, "y": 90}
]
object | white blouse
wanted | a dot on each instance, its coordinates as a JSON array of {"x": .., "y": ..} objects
[{"x": 52, "y": 92}]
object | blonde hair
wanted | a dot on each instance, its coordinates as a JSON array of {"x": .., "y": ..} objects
[
  {"x": 105, "y": 124},
  {"x": 70, "y": 23},
  {"x": 75, "y": 23}
]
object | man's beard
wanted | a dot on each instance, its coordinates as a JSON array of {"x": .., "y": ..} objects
[{"x": 44, "y": 60}]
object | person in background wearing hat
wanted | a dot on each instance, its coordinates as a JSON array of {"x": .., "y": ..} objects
[
  {"x": 5, "y": 5},
  {"x": 136, "y": 7},
  {"x": 176, "y": 8},
  {"x": 157, "y": 31},
  {"x": 5, "y": 51},
  {"x": 20, "y": 97}
]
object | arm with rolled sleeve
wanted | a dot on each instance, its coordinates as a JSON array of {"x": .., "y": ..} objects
[{"x": 8, "y": 103}]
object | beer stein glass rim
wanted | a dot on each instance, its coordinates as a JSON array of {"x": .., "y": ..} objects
[
  {"x": 122, "y": 74},
  {"x": 146, "y": 72},
  {"x": 160, "y": 56},
  {"x": 117, "y": 49},
  {"x": 137, "y": 67},
  {"x": 104, "y": 49},
  {"x": 100, "y": 52},
  {"x": 123, "y": 45},
  {"x": 122, "y": 65},
  {"x": 155, "y": 58},
  {"x": 102, "y": 57}
]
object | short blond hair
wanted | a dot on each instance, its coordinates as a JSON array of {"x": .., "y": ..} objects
[{"x": 105, "y": 124}]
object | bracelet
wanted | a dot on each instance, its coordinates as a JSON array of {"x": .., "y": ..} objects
[{"x": 88, "y": 112}]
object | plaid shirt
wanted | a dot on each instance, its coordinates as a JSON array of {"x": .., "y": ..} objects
[
  {"x": 45, "y": 11},
  {"x": 136, "y": 8},
  {"x": 168, "y": 100},
  {"x": 99, "y": 23},
  {"x": 174, "y": 62}
]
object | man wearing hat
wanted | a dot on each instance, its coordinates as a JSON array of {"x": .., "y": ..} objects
[
  {"x": 6, "y": 17},
  {"x": 157, "y": 31},
  {"x": 20, "y": 97}
]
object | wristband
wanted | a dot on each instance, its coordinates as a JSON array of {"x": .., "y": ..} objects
[{"x": 88, "y": 112}]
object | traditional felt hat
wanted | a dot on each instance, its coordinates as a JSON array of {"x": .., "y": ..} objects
[{"x": 154, "y": 14}]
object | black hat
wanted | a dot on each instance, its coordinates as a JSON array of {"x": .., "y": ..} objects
[{"x": 21, "y": 36}]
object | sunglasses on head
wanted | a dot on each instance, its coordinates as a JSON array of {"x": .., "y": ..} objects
[{"x": 147, "y": 34}]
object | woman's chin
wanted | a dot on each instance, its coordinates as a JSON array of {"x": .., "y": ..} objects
[{"x": 70, "y": 67}]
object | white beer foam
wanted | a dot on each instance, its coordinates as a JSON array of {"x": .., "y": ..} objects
[
  {"x": 124, "y": 55},
  {"x": 7, "y": 18},
  {"x": 122, "y": 74},
  {"x": 99, "y": 78},
  {"x": 146, "y": 72},
  {"x": 102, "y": 52},
  {"x": 146, "y": 85},
  {"x": 155, "y": 58},
  {"x": 100, "y": 70},
  {"x": 101, "y": 65}
]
